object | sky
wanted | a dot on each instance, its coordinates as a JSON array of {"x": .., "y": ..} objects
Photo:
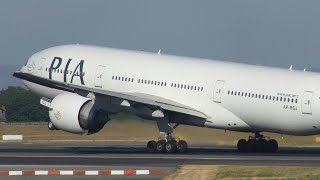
[{"x": 273, "y": 33}]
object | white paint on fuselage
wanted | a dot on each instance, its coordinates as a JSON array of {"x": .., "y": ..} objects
[{"x": 237, "y": 113}]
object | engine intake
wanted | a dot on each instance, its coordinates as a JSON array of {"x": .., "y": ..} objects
[{"x": 76, "y": 114}]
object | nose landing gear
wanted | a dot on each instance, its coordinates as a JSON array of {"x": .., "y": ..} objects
[{"x": 257, "y": 143}]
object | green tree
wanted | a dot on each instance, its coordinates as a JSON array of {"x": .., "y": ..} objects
[{"x": 22, "y": 105}]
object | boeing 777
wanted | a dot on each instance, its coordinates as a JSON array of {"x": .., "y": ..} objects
[{"x": 84, "y": 86}]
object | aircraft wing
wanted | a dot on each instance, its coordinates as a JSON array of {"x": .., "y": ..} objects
[{"x": 146, "y": 99}]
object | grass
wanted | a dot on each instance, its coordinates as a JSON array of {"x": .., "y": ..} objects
[
  {"x": 200, "y": 172},
  {"x": 138, "y": 130}
]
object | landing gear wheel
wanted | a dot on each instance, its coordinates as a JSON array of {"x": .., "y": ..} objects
[
  {"x": 242, "y": 145},
  {"x": 182, "y": 146},
  {"x": 171, "y": 147},
  {"x": 51, "y": 127},
  {"x": 251, "y": 146},
  {"x": 151, "y": 146},
  {"x": 259, "y": 145},
  {"x": 273, "y": 145},
  {"x": 160, "y": 146}
]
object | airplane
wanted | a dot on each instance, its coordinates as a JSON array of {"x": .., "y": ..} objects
[{"x": 84, "y": 86}]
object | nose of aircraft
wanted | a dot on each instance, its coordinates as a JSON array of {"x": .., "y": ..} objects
[{"x": 29, "y": 66}]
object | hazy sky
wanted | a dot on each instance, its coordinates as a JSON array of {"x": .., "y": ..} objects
[{"x": 273, "y": 32}]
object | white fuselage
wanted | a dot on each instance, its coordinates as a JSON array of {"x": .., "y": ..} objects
[{"x": 234, "y": 96}]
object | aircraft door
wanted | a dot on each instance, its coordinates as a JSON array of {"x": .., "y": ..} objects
[
  {"x": 306, "y": 102},
  {"x": 99, "y": 76},
  {"x": 218, "y": 91}
]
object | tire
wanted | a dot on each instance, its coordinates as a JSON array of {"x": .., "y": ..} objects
[
  {"x": 182, "y": 146},
  {"x": 264, "y": 145},
  {"x": 51, "y": 127},
  {"x": 251, "y": 146},
  {"x": 273, "y": 145},
  {"x": 151, "y": 146},
  {"x": 171, "y": 147},
  {"x": 160, "y": 146},
  {"x": 260, "y": 145},
  {"x": 242, "y": 145}
]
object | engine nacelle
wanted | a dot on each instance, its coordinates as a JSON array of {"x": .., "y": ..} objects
[{"x": 76, "y": 114}]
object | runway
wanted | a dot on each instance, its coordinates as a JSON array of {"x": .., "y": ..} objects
[{"x": 134, "y": 155}]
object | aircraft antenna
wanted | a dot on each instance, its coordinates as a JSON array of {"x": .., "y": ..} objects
[
  {"x": 290, "y": 68},
  {"x": 159, "y": 52}
]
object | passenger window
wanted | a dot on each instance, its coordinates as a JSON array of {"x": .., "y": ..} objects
[
  {"x": 280, "y": 98},
  {"x": 242, "y": 94},
  {"x": 112, "y": 77},
  {"x": 296, "y": 100},
  {"x": 201, "y": 88}
]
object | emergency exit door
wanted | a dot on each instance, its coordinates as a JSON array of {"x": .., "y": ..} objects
[
  {"x": 99, "y": 76},
  {"x": 218, "y": 91},
  {"x": 306, "y": 102}
]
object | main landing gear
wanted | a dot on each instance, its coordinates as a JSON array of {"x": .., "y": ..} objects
[
  {"x": 257, "y": 143},
  {"x": 168, "y": 145}
]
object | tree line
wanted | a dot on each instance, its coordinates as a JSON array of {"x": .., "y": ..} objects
[{"x": 22, "y": 105}]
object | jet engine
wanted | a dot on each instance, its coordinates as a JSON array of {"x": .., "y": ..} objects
[{"x": 77, "y": 114}]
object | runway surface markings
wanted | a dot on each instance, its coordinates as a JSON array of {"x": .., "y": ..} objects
[{"x": 126, "y": 172}]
